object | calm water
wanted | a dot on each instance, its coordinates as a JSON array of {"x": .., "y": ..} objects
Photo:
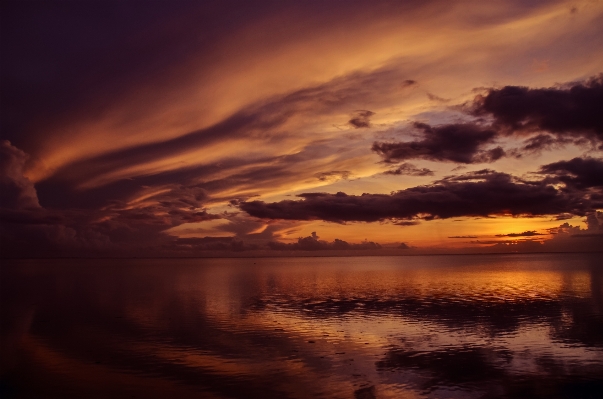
[{"x": 361, "y": 327}]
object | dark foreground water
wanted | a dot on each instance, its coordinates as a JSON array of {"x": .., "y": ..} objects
[{"x": 491, "y": 326}]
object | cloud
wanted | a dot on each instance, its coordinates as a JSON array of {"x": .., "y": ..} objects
[
  {"x": 573, "y": 110},
  {"x": 594, "y": 221},
  {"x": 117, "y": 227},
  {"x": 555, "y": 117},
  {"x": 461, "y": 143},
  {"x": 333, "y": 175},
  {"x": 409, "y": 169},
  {"x": 406, "y": 222},
  {"x": 266, "y": 129},
  {"x": 482, "y": 193},
  {"x": 194, "y": 244},
  {"x": 313, "y": 243},
  {"x": 566, "y": 237},
  {"x": 408, "y": 83},
  {"x": 524, "y": 234},
  {"x": 541, "y": 142},
  {"x": 182, "y": 196},
  {"x": 16, "y": 191},
  {"x": 361, "y": 119},
  {"x": 580, "y": 173},
  {"x": 433, "y": 97}
]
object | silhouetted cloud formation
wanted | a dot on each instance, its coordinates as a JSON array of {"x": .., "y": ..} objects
[
  {"x": 117, "y": 227},
  {"x": 524, "y": 234},
  {"x": 581, "y": 173},
  {"x": 409, "y": 169},
  {"x": 574, "y": 110},
  {"x": 333, "y": 175},
  {"x": 408, "y": 83},
  {"x": 570, "y": 114},
  {"x": 361, "y": 118},
  {"x": 482, "y": 193},
  {"x": 541, "y": 142},
  {"x": 16, "y": 191},
  {"x": 462, "y": 143},
  {"x": 313, "y": 243},
  {"x": 193, "y": 244}
]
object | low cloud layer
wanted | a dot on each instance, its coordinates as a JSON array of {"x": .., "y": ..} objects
[
  {"x": 483, "y": 193},
  {"x": 314, "y": 243},
  {"x": 523, "y": 234}
]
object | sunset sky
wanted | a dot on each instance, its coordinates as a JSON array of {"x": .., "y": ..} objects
[{"x": 171, "y": 128}]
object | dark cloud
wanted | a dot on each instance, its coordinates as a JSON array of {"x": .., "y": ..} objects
[
  {"x": 313, "y": 243},
  {"x": 461, "y": 143},
  {"x": 569, "y": 115},
  {"x": 594, "y": 221},
  {"x": 565, "y": 228},
  {"x": 433, "y": 97},
  {"x": 524, "y": 234},
  {"x": 409, "y": 169},
  {"x": 16, "y": 191},
  {"x": 483, "y": 193},
  {"x": 574, "y": 110},
  {"x": 194, "y": 244},
  {"x": 361, "y": 118},
  {"x": 541, "y": 142},
  {"x": 564, "y": 236},
  {"x": 119, "y": 227},
  {"x": 564, "y": 216},
  {"x": 406, "y": 222},
  {"x": 581, "y": 173},
  {"x": 526, "y": 245},
  {"x": 333, "y": 175}
]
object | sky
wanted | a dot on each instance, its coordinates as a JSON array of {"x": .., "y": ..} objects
[{"x": 234, "y": 128}]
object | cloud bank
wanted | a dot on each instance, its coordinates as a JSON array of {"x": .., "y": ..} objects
[{"x": 483, "y": 193}]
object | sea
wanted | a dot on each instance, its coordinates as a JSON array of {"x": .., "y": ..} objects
[{"x": 460, "y": 326}]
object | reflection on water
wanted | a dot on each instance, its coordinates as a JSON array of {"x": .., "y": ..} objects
[{"x": 367, "y": 327}]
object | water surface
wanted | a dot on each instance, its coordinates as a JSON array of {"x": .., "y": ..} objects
[{"x": 492, "y": 326}]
